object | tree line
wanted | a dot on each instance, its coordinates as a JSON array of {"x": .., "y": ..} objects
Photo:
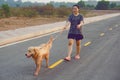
[
  {"x": 49, "y": 9},
  {"x": 101, "y": 5}
]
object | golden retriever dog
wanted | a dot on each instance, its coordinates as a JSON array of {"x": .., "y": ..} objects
[{"x": 39, "y": 53}]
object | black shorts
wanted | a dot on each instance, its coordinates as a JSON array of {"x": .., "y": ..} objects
[{"x": 75, "y": 36}]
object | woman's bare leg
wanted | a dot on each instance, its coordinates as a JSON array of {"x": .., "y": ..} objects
[
  {"x": 70, "y": 45},
  {"x": 78, "y": 48}
]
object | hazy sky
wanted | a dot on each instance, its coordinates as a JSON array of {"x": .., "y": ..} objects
[
  {"x": 58, "y": 0},
  {"x": 52, "y": 0}
]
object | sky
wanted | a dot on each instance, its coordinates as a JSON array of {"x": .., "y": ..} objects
[
  {"x": 52, "y": 0},
  {"x": 45, "y": 1}
]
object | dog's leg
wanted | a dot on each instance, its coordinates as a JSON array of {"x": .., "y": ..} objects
[
  {"x": 47, "y": 60},
  {"x": 38, "y": 66}
]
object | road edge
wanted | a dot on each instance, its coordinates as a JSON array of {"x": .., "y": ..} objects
[{"x": 28, "y": 36}]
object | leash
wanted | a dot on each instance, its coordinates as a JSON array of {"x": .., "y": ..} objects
[
  {"x": 58, "y": 35},
  {"x": 54, "y": 38}
]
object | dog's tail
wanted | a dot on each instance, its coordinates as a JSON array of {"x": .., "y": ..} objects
[
  {"x": 53, "y": 39},
  {"x": 50, "y": 40},
  {"x": 49, "y": 43}
]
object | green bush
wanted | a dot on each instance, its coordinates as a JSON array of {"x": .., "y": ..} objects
[
  {"x": 45, "y": 10},
  {"x": 1, "y": 14},
  {"x": 24, "y": 12},
  {"x": 29, "y": 13},
  {"x": 6, "y": 10},
  {"x": 17, "y": 12}
]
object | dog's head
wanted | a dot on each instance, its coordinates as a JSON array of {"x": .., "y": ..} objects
[{"x": 31, "y": 52}]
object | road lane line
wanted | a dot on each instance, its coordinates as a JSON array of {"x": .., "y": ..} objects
[
  {"x": 110, "y": 29},
  {"x": 102, "y": 34},
  {"x": 87, "y": 44},
  {"x": 56, "y": 63}
]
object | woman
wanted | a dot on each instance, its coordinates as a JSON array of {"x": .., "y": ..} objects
[{"x": 75, "y": 21}]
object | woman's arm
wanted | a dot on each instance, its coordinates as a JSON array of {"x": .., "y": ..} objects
[
  {"x": 67, "y": 24},
  {"x": 80, "y": 25}
]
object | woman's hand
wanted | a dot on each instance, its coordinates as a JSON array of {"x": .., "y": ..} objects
[
  {"x": 66, "y": 25},
  {"x": 78, "y": 26},
  {"x": 64, "y": 28}
]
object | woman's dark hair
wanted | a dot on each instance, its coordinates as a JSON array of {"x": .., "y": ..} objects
[{"x": 76, "y": 6}]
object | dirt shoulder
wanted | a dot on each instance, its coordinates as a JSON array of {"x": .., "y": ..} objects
[{"x": 21, "y": 22}]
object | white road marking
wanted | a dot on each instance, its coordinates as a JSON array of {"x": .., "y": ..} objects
[{"x": 28, "y": 39}]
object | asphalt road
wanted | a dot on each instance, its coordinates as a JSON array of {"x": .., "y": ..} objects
[{"x": 99, "y": 61}]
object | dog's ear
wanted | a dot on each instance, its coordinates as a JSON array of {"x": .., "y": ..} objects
[{"x": 36, "y": 50}]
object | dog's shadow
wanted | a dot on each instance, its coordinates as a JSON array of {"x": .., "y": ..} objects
[{"x": 29, "y": 69}]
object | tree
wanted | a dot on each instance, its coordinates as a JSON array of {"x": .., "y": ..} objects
[
  {"x": 18, "y": 3},
  {"x": 6, "y": 10},
  {"x": 90, "y": 6},
  {"x": 102, "y": 5},
  {"x": 49, "y": 5},
  {"x": 113, "y": 5},
  {"x": 81, "y": 4},
  {"x": 47, "y": 9},
  {"x": 63, "y": 6}
]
